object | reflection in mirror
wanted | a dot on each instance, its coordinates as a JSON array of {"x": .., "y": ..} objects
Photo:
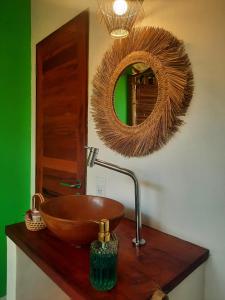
[{"x": 135, "y": 94}]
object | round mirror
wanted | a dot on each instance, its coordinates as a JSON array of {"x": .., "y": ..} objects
[
  {"x": 135, "y": 94},
  {"x": 152, "y": 109}
]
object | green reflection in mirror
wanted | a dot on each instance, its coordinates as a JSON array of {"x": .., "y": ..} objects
[
  {"x": 121, "y": 97},
  {"x": 135, "y": 94}
]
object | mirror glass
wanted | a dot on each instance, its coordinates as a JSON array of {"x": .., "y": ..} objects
[{"x": 135, "y": 94}]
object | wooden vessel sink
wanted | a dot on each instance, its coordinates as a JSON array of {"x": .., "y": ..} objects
[{"x": 74, "y": 218}]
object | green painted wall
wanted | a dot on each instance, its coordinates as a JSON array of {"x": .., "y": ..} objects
[
  {"x": 15, "y": 118},
  {"x": 121, "y": 98}
]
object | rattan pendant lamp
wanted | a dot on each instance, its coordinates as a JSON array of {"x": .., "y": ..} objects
[{"x": 120, "y": 15}]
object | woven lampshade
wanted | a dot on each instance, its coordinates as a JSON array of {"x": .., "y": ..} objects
[{"x": 120, "y": 15}]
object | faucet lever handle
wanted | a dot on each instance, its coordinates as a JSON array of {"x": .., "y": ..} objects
[{"x": 92, "y": 156}]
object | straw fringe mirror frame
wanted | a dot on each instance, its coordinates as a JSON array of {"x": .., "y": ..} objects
[{"x": 166, "y": 56}]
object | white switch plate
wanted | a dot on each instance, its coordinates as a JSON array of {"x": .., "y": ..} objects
[{"x": 100, "y": 186}]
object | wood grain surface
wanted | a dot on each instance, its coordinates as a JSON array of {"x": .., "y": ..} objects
[
  {"x": 162, "y": 263},
  {"x": 61, "y": 122}
]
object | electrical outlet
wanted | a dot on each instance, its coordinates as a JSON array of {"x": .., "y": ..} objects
[{"x": 100, "y": 186}]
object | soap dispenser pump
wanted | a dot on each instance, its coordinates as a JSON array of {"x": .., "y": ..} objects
[{"x": 103, "y": 259}]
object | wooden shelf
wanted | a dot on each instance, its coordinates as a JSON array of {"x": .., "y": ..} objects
[{"x": 163, "y": 262}]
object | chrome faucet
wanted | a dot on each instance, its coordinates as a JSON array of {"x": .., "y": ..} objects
[{"x": 93, "y": 160}]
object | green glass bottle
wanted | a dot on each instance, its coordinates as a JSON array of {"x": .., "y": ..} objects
[{"x": 103, "y": 259}]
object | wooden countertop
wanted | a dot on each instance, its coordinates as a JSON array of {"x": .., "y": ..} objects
[{"x": 163, "y": 262}]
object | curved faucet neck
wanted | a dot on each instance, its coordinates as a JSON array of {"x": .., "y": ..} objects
[{"x": 92, "y": 160}]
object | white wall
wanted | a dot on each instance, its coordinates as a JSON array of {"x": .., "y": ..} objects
[
  {"x": 26, "y": 281},
  {"x": 183, "y": 184}
]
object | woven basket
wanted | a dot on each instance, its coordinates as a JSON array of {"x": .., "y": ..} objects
[{"x": 35, "y": 225}]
